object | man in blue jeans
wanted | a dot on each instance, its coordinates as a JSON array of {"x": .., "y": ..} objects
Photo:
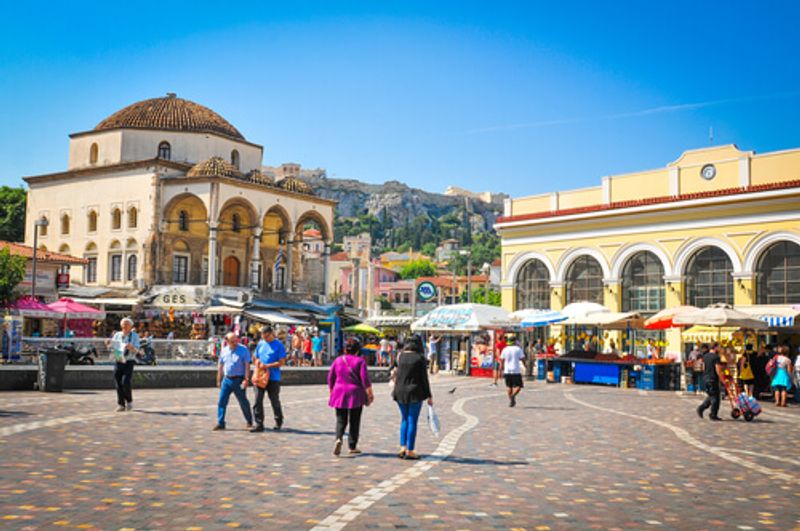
[
  {"x": 271, "y": 352},
  {"x": 233, "y": 373}
]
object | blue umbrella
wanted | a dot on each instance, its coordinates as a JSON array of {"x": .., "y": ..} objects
[{"x": 535, "y": 318}]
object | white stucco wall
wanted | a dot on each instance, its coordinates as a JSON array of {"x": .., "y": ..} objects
[
  {"x": 77, "y": 196},
  {"x": 130, "y": 145}
]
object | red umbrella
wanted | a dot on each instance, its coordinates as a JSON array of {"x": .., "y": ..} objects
[
  {"x": 664, "y": 319},
  {"x": 69, "y": 309}
]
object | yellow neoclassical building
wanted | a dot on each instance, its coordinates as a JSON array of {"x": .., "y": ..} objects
[{"x": 717, "y": 225}]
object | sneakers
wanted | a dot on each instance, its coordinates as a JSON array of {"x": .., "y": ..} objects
[
  {"x": 715, "y": 418},
  {"x": 218, "y": 427},
  {"x": 512, "y": 401},
  {"x": 257, "y": 429},
  {"x": 278, "y": 426},
  {"x": 354, "y": 451},
  {"x": 129, "y": 406},
  {"x": 699, "y": 411},
  {"x": 120, "y": 408},
  {"x": 337, "y": 449}
]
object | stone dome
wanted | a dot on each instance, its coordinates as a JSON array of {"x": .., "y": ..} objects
[
  {"x": 293, "y": 184},
  {"x": 214, "y": 167},
  {"x": 170, "y": 113}
]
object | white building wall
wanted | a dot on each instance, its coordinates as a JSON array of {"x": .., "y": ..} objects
[
  {"x": 78, "y": 195},
  {"x": 130, "y": 145}
]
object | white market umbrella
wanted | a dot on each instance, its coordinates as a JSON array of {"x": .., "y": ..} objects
[
  {"x": 582, "y": 309},
  {"x": 463, "y": 318},
  {"x": 720, "y": 315}
]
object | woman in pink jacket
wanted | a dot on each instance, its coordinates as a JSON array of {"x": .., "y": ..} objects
[{"x": 351, "y": 390}]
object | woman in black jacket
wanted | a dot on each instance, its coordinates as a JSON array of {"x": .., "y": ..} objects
[{"x": 410, "y": 390}]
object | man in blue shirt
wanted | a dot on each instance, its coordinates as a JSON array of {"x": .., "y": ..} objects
[
  {"x": 270, "y": 352},
  {"x": 233, "y": 373},
  {"x": 317, "y": 344}
]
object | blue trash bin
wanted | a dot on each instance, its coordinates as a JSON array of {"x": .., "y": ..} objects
[
  {"x": 556, "y": 373},
  {"x": 541, "y": 369}
]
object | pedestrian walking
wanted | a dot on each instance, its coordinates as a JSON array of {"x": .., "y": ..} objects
[
  {"x": 410, "y": 390},
  {"x": 383, "y": 355},
  {"x": 297, "y": 347},
  {"x": 317, "y": 344},
  {"x": 512, "y": 362},
  {"x": 782, "y": 381},
  {"x": 124, "y": 347},
  {"x": 745, "y": 369},
  {"x": 233, "y": 373},
  {"x": 713, "y": 375},
  {"x": 433, "y": 353},
  {"x": 499, "y": 345},
  {"x": 271, "y": 353},
  {"x": 308, "y": 356},
  {"x": 350, "y": 390},
  {"x": 797, "y": 377}
]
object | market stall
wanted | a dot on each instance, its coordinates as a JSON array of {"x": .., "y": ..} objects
[
  {"x": 77, "y": 319},
  {"x": 460, "y": 325},
  {"x": 533, "y": 322}
]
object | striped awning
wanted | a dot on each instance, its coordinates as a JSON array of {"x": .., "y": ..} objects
[{"x": 775, "y": 315}]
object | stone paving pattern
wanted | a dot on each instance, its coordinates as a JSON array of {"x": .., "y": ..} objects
[{"x": 69, "y": 461}]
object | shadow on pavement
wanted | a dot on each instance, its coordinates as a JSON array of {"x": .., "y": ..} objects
[
  {"x": 546, "y": 408},
  {"x": 302, "y": 432},
  {"x": 170, "y": 413},
  {"x": 450, "y": 459},
  {"x": 14, "y": 413}
]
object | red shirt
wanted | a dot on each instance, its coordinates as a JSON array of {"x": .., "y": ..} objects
[
  {"x": 498, "y": 348},
  {"x": 307, "y": 346}
]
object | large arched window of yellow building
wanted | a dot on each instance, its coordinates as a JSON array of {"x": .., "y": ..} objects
[
  {"x": 778, "y": 274},
  {"x": 708, "y": 278},
  {"x": 584, "y": 281},
  {"x": 533, "y": 286},
  {"x": 643, "y": 284}
]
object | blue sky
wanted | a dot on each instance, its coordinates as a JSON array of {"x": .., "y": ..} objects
[{"x": 518, "y": 97}]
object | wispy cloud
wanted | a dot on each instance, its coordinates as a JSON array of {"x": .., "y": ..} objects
[{"x": 633, "y": 114}]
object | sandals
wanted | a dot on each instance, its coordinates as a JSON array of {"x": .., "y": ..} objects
[
  {"x": 337, "y": 449},
  {"x": 411, "y": 456},
  {"x": 402, "y": 453}
]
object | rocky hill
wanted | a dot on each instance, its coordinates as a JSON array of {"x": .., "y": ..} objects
[{"x": 401, "y": 203}]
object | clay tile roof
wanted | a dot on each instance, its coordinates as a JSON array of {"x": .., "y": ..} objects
[
  {"x": 214, "y": 167},
  {"x": 19, "y": 249},
  {"x": 293, "y": 184},
  {"x": 257, "y": 176},
  {"x": 172, "y": 114},
  {"x": 340, "y": 257}
]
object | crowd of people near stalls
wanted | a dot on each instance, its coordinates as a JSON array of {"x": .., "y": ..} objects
[{"x": 767, "y": 371}]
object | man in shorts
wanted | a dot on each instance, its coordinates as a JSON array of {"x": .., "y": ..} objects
[
  {"x": 308, "y": 356},
  {"x": 383, "y": 359},
  {"x": 317, "y": 345},
  {"x": 512, "y": 360}
]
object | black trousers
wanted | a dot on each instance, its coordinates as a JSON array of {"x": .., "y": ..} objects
[
  {"x": 354, "y": 417},
  {"x": 123, "y": 374},
  {"x": 712, "y": 399},
  {"x": 273, "y": 391}
]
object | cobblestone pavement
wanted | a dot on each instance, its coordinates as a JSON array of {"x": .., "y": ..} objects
[{"x": 566, "y": 457}]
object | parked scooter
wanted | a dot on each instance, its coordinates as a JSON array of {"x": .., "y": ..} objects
[
  {"x": 147, "y": 354},
  {"x": 83, "y": 355}
]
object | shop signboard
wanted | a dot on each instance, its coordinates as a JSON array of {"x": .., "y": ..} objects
[
  {"x": 426, "y": 291},
  {"x": 179, "y": 298}
]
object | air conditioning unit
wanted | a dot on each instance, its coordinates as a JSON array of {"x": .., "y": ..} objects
[{"x": 242, "y": 297}]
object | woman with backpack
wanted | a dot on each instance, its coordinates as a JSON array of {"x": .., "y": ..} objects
[{"x": 781, "y": 368}]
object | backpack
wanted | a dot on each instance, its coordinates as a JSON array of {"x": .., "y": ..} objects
[{"x": 772, "y": 366}]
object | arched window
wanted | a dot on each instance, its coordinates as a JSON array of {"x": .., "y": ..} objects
[
  {"x": 90, "y": 269},
  {"x": 93, "y": 150},
  {"x": 584, "y": 280},
  {"x": 708, "y": 278},
  {"x": 533, "y": 286},
  {"x": 42, "y": 227},
  {"x": 236, "y": 223},
  {"x": 92, "y": 221},
  {"x": 778, "y": 274},
  {"x": 133, "y": 261},
  {"x": 65, "y": 224},
  {"x": 183, "y": 221},
  {"x": 643, "y": 284},
  {"x": 235, "y": 159},
  {"x": 133, "y": 217},
  {"x": 116, "y": 219},
  {"x": 164, "y": 151}
]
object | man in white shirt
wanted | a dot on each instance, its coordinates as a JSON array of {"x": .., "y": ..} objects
[{"x": 512, "y": 359}]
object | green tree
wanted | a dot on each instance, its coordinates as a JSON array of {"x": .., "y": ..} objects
[
  {"x": 481, "y": 296},
  {"x": 418, "y": 268},
  {"x": 12, "y": 213},
  {"x": 12, "y": 271},
  {"x": 429, "y": 249}
]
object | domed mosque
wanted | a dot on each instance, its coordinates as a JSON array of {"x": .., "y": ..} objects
[{"x": 168, "y": 200}]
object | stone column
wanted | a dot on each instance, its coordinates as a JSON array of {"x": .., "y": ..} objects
[
  {"x": 212, "y": 255},
  {"x": 287, "y": 286},
  {"x": 326, "y": 267},
  {"x": 255, "y": 260}
]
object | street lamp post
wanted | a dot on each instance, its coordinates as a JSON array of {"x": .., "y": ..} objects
[
  {"x": 486, "y": 269},
  {"x": 468, "y": 254},
  {"x": 41, "y": 222}
]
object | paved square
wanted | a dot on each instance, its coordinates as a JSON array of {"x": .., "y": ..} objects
[{"x": 566, "y": 457}]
